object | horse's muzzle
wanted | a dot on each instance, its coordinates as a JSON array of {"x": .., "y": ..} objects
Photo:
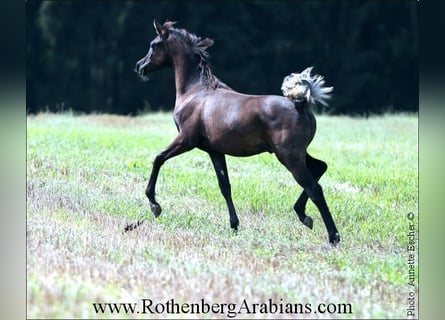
[{"x": 140, "y": 68}]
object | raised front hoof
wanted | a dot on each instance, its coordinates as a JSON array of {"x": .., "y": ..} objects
[
  {"x": 156, "y": 209},
  {"x": 334, "y": 239},
  {"x": 308, "y": 222}
]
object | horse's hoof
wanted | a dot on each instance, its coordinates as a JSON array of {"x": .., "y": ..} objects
[
  {"x": 156, "y": 209},
  {"x": 308, "y": 222},
  {"x": 335, "y": 239}
]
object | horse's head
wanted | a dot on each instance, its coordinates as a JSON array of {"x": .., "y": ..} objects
[
  {"x": 169, "y": 44},
  {"x": 158, "y": 55}
]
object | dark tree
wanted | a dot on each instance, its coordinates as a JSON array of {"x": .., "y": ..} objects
[{"x": 81, "y": 54}]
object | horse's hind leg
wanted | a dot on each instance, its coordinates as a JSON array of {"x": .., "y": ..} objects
[
  {"x": 317, "y": 168},
  {"x": 177, "y": 147},
  {"x": 297, "y": 166},
  {"x": 219, "y": 163}
]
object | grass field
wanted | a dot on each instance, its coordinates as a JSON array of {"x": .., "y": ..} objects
[{"x": 86, "y": 180}]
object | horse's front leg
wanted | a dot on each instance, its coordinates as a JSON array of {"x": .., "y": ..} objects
[
  {"x": 178, "y": 146},
  {"x": 219, "y": 163}
]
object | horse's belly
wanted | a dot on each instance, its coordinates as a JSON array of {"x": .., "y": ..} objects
[
  {"x": 235, "y": 130},
  {"x": 235, "y": 144}
]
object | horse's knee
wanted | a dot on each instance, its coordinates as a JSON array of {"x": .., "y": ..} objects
[{"x": 159, "y": 160}]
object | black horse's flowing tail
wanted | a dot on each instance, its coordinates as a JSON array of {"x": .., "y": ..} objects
[{"x": 301, "y": 87}]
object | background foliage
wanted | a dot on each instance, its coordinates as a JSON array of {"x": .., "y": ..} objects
[{"x": 81, "y": 54}]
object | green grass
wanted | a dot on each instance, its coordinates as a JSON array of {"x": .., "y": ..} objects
[{"x": 86, "y": 180}]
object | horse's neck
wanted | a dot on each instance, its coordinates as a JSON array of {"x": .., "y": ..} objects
[{"x": 187, "y": 73}]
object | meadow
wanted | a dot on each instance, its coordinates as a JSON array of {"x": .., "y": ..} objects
[{"x": 86, "y": 177}]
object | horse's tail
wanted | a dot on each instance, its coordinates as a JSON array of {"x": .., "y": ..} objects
[{"x": 301, "y": 87}]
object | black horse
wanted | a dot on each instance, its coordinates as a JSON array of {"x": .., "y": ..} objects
[{"x": 212, "y": 117}]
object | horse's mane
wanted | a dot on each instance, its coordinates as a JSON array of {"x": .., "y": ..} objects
[{"x": 199, "y": 47}]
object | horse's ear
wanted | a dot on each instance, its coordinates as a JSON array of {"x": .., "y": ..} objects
[
  {"x": 161, "y": 30},
  {"x": 169, "y": 24},
  {"x": 157, "y": 26}
]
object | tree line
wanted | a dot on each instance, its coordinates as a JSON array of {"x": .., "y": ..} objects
[{"x": 81, "y": 54}]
